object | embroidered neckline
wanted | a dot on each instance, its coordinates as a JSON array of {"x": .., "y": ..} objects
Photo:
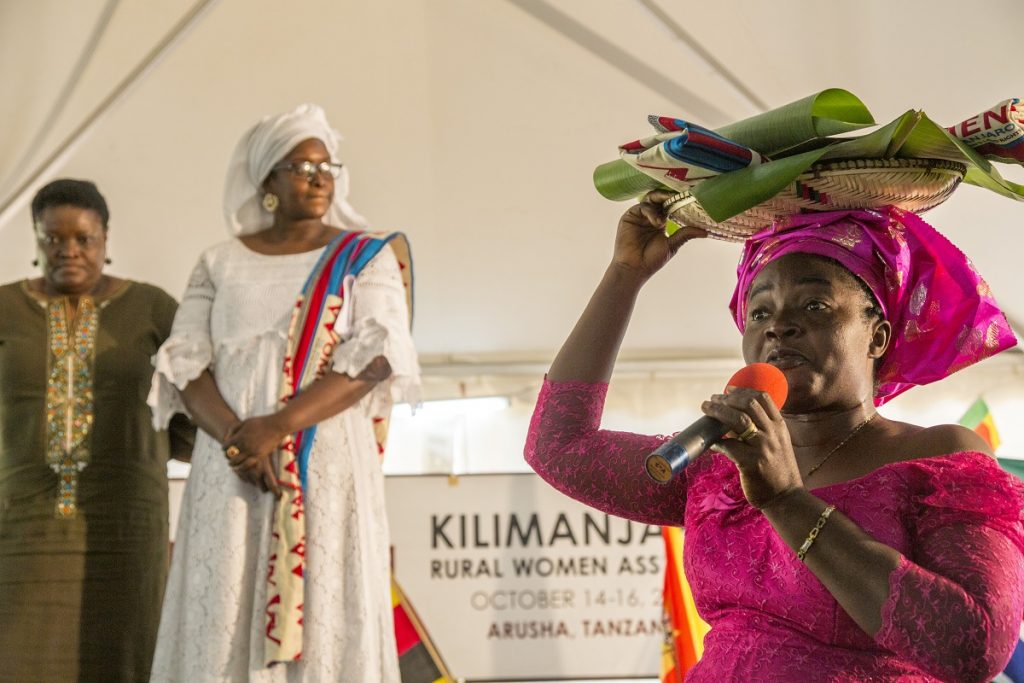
[{"x": 101, "y": 302}]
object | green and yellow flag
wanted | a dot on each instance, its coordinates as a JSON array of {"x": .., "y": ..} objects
[{"x": 979, "y": 418}]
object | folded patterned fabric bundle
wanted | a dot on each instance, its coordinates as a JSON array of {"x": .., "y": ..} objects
[
  {"x": 997, "y": 133},
  {"x": 681, "y": 153}
]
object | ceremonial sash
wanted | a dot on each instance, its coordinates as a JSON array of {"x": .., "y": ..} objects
[{"x": 311, "y": 341}]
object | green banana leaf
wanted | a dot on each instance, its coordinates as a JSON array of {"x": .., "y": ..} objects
[
  {"x": 828, "y": 112},
  {"x": 928, "y": 140},
  {"x": 729, "y": 194},
  {"x": 799, "y": 136}
]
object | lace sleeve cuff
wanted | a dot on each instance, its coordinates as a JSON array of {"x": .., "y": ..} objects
[
  {"x": 374, "y": 321},
  {"x": 957, "y": 614},
  {"x": 188, "y": 351},
  {"x": 370, "y": 339},
  {"x": 178, "y": 361}
]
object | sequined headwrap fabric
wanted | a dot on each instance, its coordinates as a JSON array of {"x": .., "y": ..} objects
[{"x": 942, "y": 312}]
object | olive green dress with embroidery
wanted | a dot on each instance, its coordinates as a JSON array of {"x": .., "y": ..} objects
[{"x": 83, "y": 485}]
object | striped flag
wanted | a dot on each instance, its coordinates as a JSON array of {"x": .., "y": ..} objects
[
  {"x": 684, "y": 629},
  {"x": 418, "y": 660},
  {"x": 979, "y": 418}
]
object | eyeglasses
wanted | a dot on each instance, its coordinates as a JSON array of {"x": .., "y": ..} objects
[{"x": 309, "y": 169}]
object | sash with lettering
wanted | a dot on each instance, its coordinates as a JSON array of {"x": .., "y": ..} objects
[{"x": 311, "y": 340}]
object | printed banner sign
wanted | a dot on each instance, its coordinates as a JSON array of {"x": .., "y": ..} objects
[{"x": 512, "y": 580}]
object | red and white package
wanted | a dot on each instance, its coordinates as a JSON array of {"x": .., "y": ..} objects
[{"x": 997, "y": 133}]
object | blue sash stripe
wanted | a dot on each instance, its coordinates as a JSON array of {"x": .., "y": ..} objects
[{"x": 344, "y": 265}]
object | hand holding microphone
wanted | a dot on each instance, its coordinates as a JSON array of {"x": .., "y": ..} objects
[{"x": 675, "y": 454}]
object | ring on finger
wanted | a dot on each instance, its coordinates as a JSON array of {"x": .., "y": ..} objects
[
  {"x": 749, "y": 433},
  {"x": 232, "y": 451}
]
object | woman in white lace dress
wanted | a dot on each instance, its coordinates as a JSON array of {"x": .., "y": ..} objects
[{"x": 226, "y": 614}]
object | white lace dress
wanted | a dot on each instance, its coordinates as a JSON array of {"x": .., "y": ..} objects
[{"x": 234, "y": 320}]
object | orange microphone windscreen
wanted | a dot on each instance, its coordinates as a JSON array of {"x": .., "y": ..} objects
[{"x": 762, "y": 377}]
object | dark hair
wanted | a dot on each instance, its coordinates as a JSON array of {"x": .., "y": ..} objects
[
  {"x": 873, "y": 309},
  {"x": 870, "y": 312},
  {"x": 68, "y": 191}
]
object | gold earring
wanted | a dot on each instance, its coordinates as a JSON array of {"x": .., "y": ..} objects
[{"x": 270, "y": 202}]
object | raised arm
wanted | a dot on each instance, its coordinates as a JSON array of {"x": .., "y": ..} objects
[
  {"x": 641, "y": 249},
  {"x": 602, "y": 468}
]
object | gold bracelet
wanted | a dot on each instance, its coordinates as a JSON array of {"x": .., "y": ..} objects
[{"x": 814, "y": 532}]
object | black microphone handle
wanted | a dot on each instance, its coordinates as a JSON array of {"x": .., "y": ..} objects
[{"x": 675, "y": 454}]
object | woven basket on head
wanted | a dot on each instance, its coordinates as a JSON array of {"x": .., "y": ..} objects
[{"x": 912, "y": 184}]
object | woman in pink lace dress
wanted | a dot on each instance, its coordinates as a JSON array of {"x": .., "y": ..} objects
[{"x": 917, "y": 571}]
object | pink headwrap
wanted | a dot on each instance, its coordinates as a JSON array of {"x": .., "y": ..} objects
[{"x": 942, "y": 313}]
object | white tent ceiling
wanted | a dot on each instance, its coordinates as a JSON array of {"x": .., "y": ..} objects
[{"x": 474, "y": 125}]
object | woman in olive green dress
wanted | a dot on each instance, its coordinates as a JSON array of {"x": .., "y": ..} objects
[{"x": 83, "y": 480}]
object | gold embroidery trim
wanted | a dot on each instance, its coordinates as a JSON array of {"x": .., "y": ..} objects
[{"x": 69, "y": 396}]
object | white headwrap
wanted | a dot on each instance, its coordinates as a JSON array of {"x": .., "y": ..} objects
[{"x": 262, "y": 148}]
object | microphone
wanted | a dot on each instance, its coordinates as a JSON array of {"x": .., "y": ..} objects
[{"x": 675, "y": 454}]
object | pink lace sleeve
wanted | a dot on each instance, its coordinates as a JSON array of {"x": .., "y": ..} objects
[
  {"x": 955, "y": 607},
  {"x": 601, "y": 468}
]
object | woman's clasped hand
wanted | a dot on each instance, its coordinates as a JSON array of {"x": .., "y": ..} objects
[{"x": 250, "y": 447}]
